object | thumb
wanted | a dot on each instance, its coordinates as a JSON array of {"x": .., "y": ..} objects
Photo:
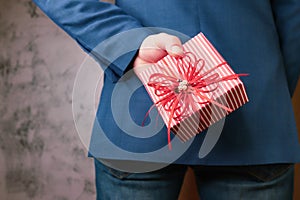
[
  {"x": 171, "y": 44},
  {"x": 175, "y": 50}
]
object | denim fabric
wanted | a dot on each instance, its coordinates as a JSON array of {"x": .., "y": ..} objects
[
  {"x": 163, "y": 184},
  {"x": 259, "y": 182}
]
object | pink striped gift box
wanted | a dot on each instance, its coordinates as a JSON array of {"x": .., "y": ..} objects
[{"x": 188, "y": 120}]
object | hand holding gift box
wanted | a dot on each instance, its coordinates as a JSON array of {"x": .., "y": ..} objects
[{"x": 195, "y": 91}]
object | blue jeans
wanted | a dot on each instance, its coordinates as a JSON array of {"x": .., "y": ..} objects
[{"x": 260, "y": 182}]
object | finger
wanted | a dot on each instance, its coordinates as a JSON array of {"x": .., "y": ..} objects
[
  {"x": 170, "y": 43},
  {"x": 138, "y": 62},
  {"x": 151, "y": 54},
  {"x": 175, "y": 50},
  {"x": 157, "y": 46}
]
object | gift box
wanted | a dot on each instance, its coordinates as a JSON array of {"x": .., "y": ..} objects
[{"x": 193, "y": 92}]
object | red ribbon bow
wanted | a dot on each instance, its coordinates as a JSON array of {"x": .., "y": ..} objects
[{"x": 177, "y": 93}]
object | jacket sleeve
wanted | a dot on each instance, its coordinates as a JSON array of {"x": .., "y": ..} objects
[
  {"x": 90, "y": 23},
  {"x": 287, "y": 18}
]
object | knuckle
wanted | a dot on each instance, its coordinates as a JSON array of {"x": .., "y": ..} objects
[
  {"x": 168, "y": 37},
  {"x": 174, "y": 39},
  {"x": 162, "y": 35}
]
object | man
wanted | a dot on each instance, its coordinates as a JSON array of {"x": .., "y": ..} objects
[{"x": 253, "y": 159}]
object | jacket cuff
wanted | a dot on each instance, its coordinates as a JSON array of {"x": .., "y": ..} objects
[{"x": 116, "y": 54}]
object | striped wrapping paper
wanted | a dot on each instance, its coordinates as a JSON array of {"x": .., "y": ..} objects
[{"x": 230, "y": 93}]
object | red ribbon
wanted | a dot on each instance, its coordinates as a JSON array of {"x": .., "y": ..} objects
[{"x": 177, "y": 93}]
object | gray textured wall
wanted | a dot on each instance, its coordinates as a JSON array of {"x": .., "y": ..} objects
[{"x": 41, "y": 155}]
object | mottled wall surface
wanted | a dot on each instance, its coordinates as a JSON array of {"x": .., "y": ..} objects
[{"x": 41, "y": 155}]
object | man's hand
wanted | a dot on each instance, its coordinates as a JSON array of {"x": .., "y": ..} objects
[{"x": 155, "y": 47}]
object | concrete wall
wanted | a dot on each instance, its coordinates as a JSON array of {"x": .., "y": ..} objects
[{"x": 41, "y": 155}]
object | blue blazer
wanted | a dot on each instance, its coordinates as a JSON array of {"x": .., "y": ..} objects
[{"x": 259, "y": 37}]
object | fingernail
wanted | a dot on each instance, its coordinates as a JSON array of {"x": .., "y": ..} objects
[{"x": 177, "y": 50}]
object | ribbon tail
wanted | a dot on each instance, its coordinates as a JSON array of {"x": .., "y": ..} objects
[
  {"x": 147, "y": 114},
  {"x": 233, "y": 76},
  {"x": 243, "y": 74},
  {"x": 216, "y": 103},
  {"x": 169, "y": 122}
]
